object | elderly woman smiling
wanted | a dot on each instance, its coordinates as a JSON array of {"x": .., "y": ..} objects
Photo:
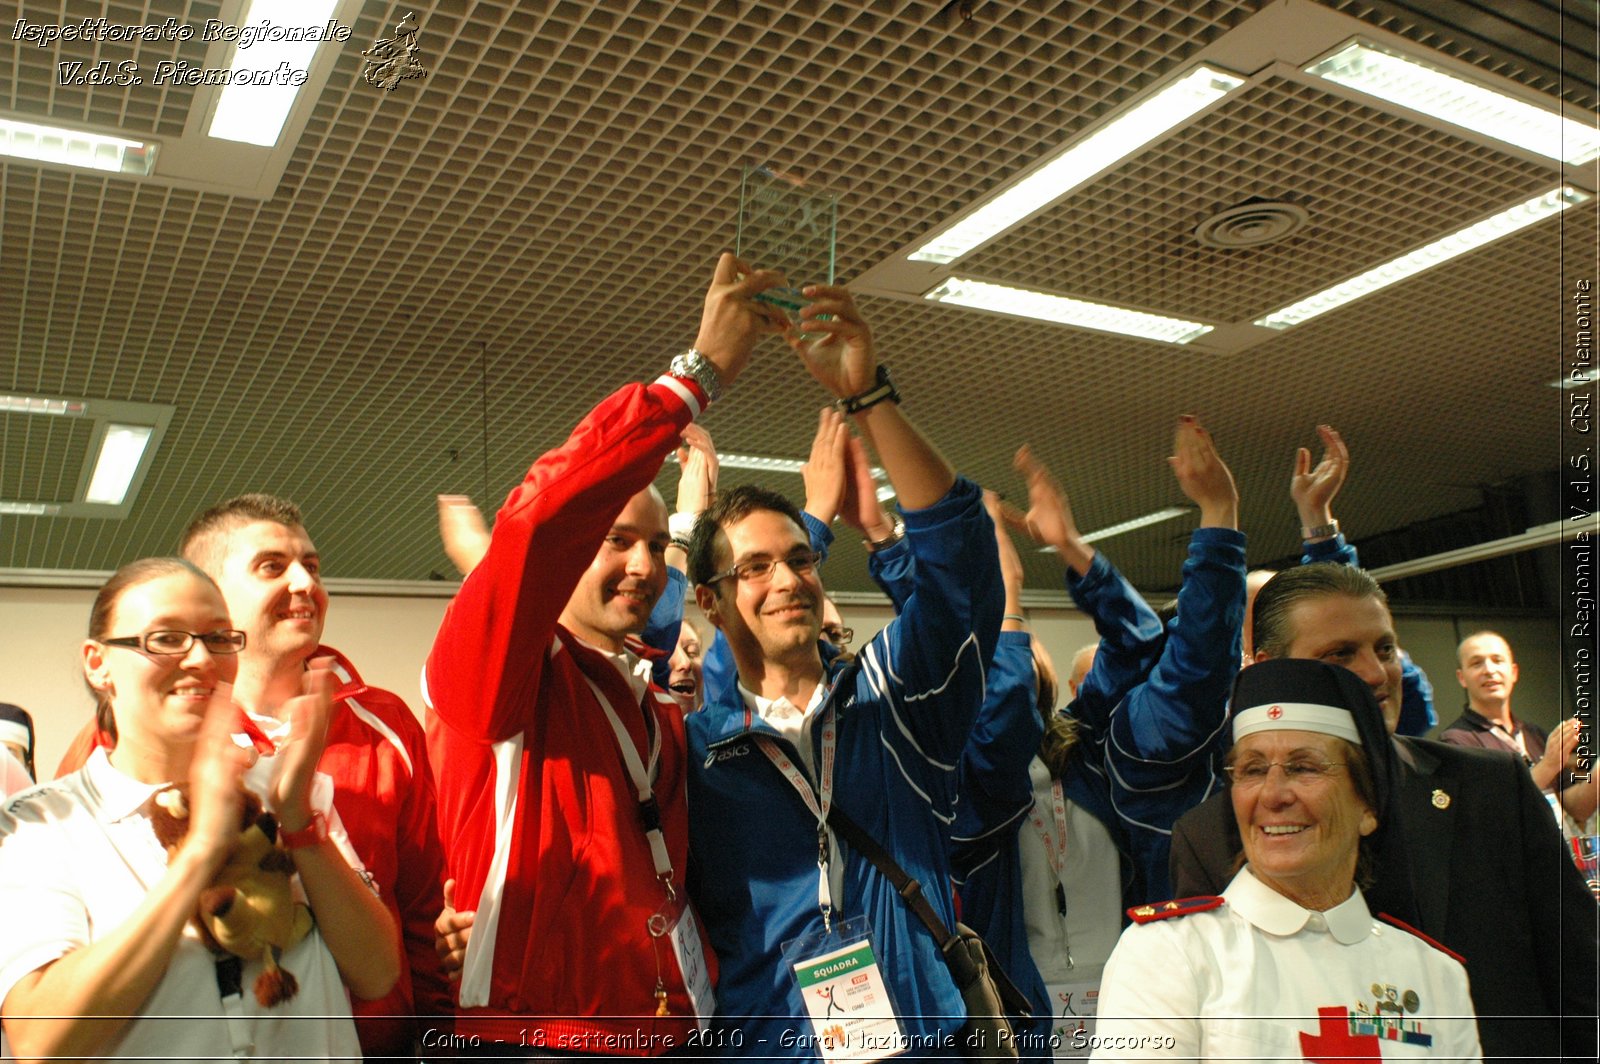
[{"x": 1289, "y": 963}]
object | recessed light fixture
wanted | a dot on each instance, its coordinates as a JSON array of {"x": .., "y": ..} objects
[
  {"x": 73, "y": 147},
  {"x": 122, "y": 441},
  {"x": 1413, "y": 262},
  {"x": 121, "y": 450},
  {"x": 764, "y": 464},
  {"x": 1081, "y": 161},
  {"x": 30, "y": 509},
  {"x": 262, "y": 83},
  {"x": 42, "y": 404},
  {"x": 775, "y": 465},
  {"x": 760, "y": 463},
  {"x": 1024, "y": 302},
  {"x": 1431, "y": 91},
  {"x": 1128, "y": 526}
]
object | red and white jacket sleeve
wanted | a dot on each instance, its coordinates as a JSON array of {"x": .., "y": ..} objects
[{"x": 488, "y": 656}]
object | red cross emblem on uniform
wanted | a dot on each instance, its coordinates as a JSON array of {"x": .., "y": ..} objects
[{"x": 1275, "y": 712}]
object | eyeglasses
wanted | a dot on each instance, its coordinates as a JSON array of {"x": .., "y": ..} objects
[
  {"x": 759, "y": 570},
  {"x": 1298, "y": 772},
  {"x": 838, "y": 634},
  {"x": 173, "y": 643}
]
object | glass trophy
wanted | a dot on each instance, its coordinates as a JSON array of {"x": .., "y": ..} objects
[{"x": 784, "y": 225}]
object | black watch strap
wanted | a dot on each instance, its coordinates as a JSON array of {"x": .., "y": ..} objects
[{"x": 883, "y": 391}]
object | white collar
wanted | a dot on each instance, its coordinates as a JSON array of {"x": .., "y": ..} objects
[
  {"x": 635, "y": 669},
  {"x": 777, "y": 710},
  {"x": 120, "y": 795},
  {"x": 1348, "y": 922}
]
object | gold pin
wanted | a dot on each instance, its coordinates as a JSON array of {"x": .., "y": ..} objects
[{"x": 1441, "y": 800}]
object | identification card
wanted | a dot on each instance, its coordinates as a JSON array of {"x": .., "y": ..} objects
[
  {"x": 692, "y": 963},
  {"x": 848, "y": 1004},
  {"x": 1074, "y": 1006}
]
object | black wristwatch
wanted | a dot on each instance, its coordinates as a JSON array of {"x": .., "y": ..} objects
[{"x": 883, "y": 390}]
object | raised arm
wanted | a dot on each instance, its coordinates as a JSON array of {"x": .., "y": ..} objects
[
  {"x": 463, "y": 532},
  {"x": 1313, "y": 487},
  {"x": 1180, "y": 709},
  {"x": 1130, "y": 633},
  {"x": 992, "y": 779},
  {"x": 837, "y": 348},
  {"x": 945, "y": 637},
  {"x": 697, "y": 485},
  {"x": 488, "y": 655}
]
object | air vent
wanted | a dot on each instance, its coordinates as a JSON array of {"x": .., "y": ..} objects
[{"x": 1251, "y": 224}]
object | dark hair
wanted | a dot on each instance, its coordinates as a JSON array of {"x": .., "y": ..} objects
[
  {"x": 731, "y": 507},
  {"x": 202, "y": 542},
  {"x": 1479, "y": 634},
  {"x": 1270, "y": 629},
  {"x": 105, "y": 603}
]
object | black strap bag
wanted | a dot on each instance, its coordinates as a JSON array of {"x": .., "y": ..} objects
[{"x": 990, "y": 995}]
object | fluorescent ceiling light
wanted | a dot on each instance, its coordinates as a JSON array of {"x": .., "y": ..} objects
[
  {"x": 755, "y": 461},
  {"x": 30, "y": 509},
  {"x": 120, "y": 452},
  {"x": 1074, "y": 165},
  {"x": 255, "y": 113},
  {"x": 1128, "y": 526},
  {"x": 40, "y": 404},
  {"x": 1138, "y": 522},
  {"x": 1576, "y": 379},
  {"x": 764, "y": 464},
  {"x": 93, "y": 151},
  {"x": 1461, "y": 102},
  {"x": 1442, "y": 250},
  {"x": 1062, "y": 310},
  {"x": 775, "y": 465}
]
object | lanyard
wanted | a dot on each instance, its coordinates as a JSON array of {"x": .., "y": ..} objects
[
  {"x": 1054, "y": 837},
  {"x": 641, "y": 776},
  {"x": 818, "y": 803},
  {"x": 1514, "y": 739}
]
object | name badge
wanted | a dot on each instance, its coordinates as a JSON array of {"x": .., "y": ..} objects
[
  {"x": 848, "y": 1004},
  {"x": 691, "y": 956},
  {"x": 1074, "y": 1006}
]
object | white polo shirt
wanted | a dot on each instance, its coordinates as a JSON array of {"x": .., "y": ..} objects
[{"x": 77, "y": 856}]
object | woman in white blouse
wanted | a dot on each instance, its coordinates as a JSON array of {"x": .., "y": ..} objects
[
  {"x": 100, "y": 957},
  {"x": 1289, "y": 963}
]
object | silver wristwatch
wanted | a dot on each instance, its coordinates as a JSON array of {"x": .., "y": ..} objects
[{"x": 698, "y": 368}]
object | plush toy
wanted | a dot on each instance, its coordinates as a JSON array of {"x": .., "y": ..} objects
[{"x": 249, "y": 909}]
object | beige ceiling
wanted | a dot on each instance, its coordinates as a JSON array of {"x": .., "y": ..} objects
[{"x": 448, "y": 275}]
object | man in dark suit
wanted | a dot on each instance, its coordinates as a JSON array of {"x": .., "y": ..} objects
[{"x": 1477, "y": 862}]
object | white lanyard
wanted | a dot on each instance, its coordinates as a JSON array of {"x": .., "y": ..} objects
[
  {"x": 1515, "y": 739},
  {"x": 825, "y": 773},
  {"x": 649, "y": 811},
  {"x": 1055, "y": 842}
]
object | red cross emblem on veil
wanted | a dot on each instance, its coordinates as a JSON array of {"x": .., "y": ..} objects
[{"x": 1275, "y": 713}]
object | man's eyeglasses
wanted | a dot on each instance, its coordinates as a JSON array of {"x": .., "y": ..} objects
[
  {"x": 838, "y": 634},
  {"x": 759, "y": 570},
  {"x": 1297, "y": 772},
  {"x": 173, "y": 643}
]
